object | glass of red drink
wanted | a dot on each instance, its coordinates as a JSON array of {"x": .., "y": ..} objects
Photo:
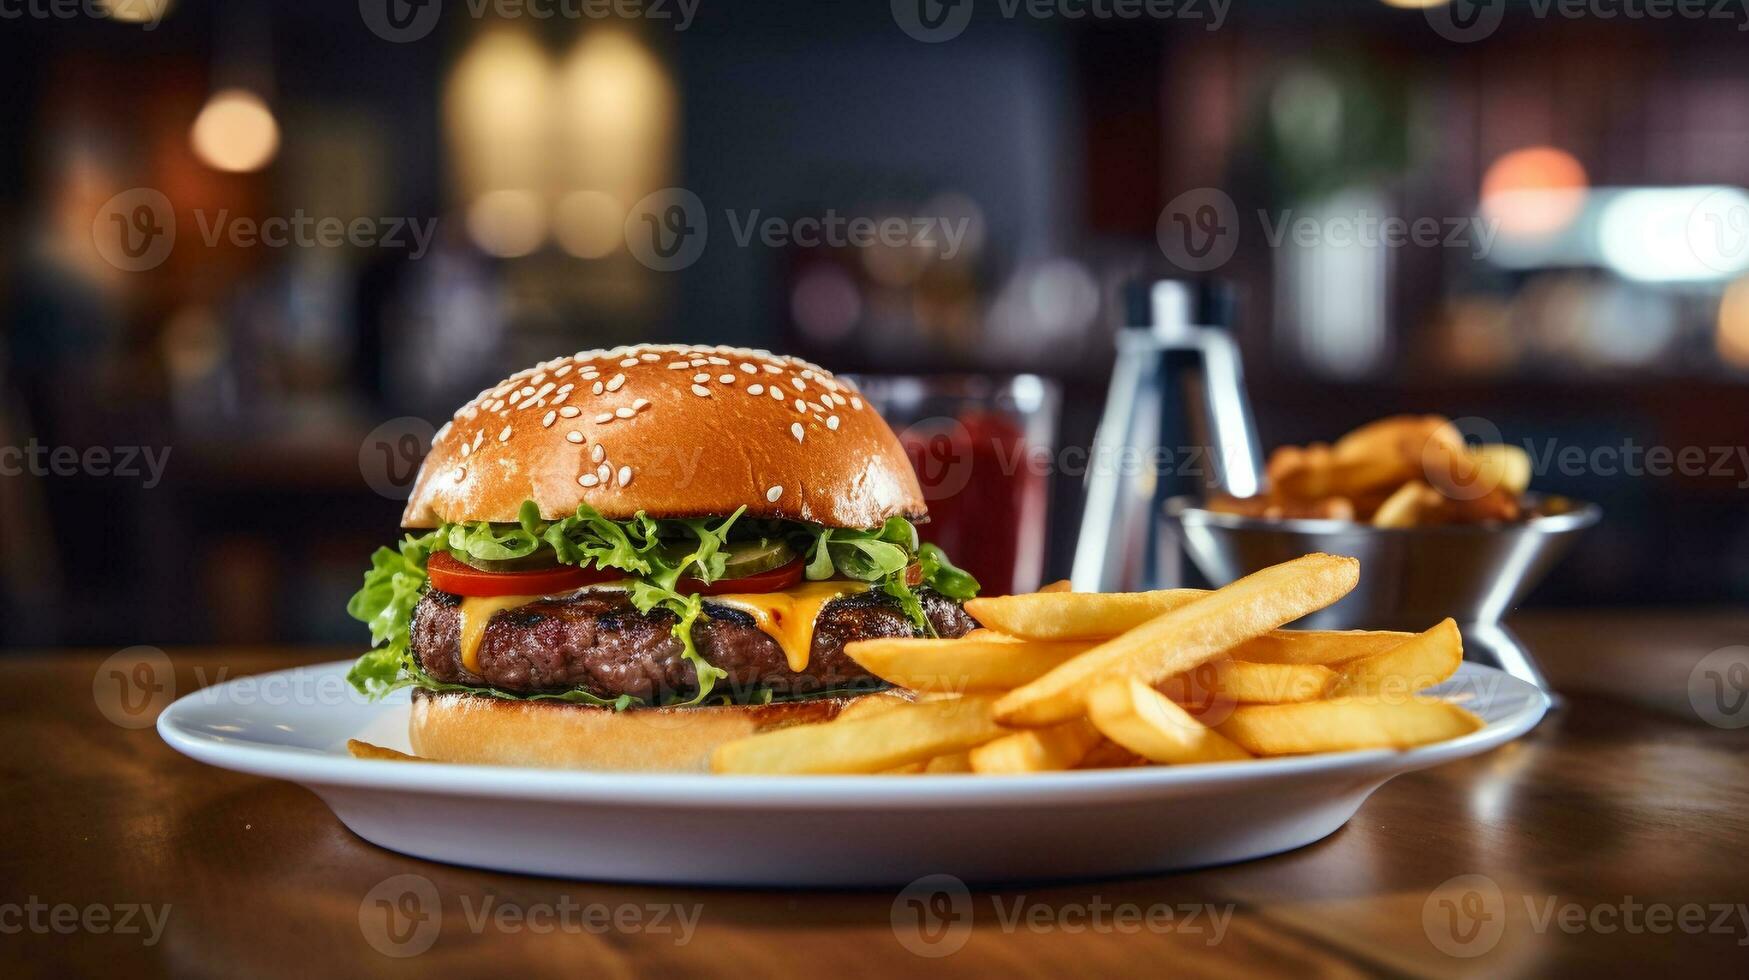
[{"x": 982, "y": 447}]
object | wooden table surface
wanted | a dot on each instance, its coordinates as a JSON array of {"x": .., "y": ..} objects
[{"x": 1613, "y": 838}]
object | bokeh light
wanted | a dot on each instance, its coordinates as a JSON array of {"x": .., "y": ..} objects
[
  {"x": 507, "y": 223},
  {"x": 1534, "y": 192},
  {"x": 235, "y": 132}
]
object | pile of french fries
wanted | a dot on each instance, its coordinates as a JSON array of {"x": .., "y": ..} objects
[
  {"x": 1062, "y": 680},
  {"x": 1404, "y": 471}
]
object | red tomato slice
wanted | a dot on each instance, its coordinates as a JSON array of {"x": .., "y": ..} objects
[
  {"x": 775, "y": 580},
  {"x": 449, "y": 574}
]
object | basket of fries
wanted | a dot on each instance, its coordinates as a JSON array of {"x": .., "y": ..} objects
[{"x": 1444, "y": 529}]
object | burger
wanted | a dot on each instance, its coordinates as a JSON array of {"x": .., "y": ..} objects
[{"x": 620, "y": 559}]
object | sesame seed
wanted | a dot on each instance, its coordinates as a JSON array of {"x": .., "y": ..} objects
[
  {"x": 561, "y": 372},
  {"x": 640, "y": 404},
  {"x": 717, "y": 361},
  {"x": 776, "y": 392},
  {"x": 570, "y": 411},
  {"x": 479, "y": 436},
  {"x": 832, "y": 422},
  {"x": 618, "y": 380},
  {"x": 596, "y": 388},
  {"x": 603, "y": 472},
  {"x": 795, "y": 429},
  {"x": 547, "y": 419},
  {"x": 816, "y": 407},
  {"x": 545, "y": 390},
  {"x": 773, "y": 369},
  {"x": 588, "y": 479},
  {"x": 856, "y": 403},
  {"x": 559, "y": 399},
  {"x": 604, "y": 418},
  {"x": 625, "y": 475},
  {"x": 466, "y": 449},
  {"x": 755, "y": 389},
  {"x": 801, "y": 406},
  {"x": 599, "y": 453},
  {"x": 698, "y": 362},
  {"x": 727, "y": 379},
  {"x": 573, "y": 437},
  {"x": 773, "y": 494},
  {"x": 678, "y": 365},
  {"x": 649, "y": 357},
  {"x": 701, "y": 391},
  {"x": 624, "y": 412},
  {"x": 629, "y": 362},
  {"x": 750, "y": 369},
  {"x": 505, "y": 435},
  {"x": 799, "y": 383},
  {"x": 701, "y": 377},
  {"x": 526, "y": 391}
]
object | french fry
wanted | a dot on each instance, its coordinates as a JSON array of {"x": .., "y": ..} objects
[
  {"x": 1038, "y": 750},
  {"x": 1316, "y": 646},
  {"x": 893, "y": 738},
  {"x": 1109, "y": 755},
  {"x": 1503, "y": 466},
  {"x": 365, "y": 750},
  {"x": 951, "y": 762},
  {"x": 1250, "y": 683},
  {"x": 1184, "y": 637},
  {"x": 1146, "y": 722},
  {"x": 960, "y": 665},
  {"x": 1060, "y": 585},
  {"x": 1411, "y": 506},
  {"x": 1415, "y": 664},
  {"x": 1344, "y": 725},
  {"x": 982, "y": 633},
  {"x": 874, "y": 704},
  {"x": 1076, "y": 615}
]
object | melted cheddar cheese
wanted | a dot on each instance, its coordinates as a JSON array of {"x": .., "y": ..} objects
[
  {"x": 788, "y": 617},
  {"x": 475, "y": 614}
]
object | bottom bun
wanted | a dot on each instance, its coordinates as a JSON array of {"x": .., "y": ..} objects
[{"x": 547, "y": 734}]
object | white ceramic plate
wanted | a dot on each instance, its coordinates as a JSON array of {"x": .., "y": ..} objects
[{"x": 800, "y": 830}]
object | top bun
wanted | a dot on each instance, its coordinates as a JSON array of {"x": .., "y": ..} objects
[{"x": 671, "y": 430}]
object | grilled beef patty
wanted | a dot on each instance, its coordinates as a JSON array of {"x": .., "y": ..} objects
[{"x": 600, "y": 642}]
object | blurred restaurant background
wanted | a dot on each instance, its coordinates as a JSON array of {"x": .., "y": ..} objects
[{"x": 1582, "y": 285}]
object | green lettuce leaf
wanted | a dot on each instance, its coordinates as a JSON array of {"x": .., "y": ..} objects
[{"x": 656, "y": 554}]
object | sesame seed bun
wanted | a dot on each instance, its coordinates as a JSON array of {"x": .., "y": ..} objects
[{"x": 674, "y": 431}]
